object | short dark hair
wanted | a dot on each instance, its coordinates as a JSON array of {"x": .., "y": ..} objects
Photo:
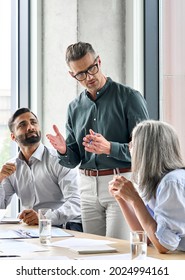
[
  {"x": 17, "y": 113},
  {"x": 78, "y": 50}
]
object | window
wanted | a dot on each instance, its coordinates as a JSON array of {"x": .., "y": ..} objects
[
  {"x": 151, "y": 57},
  {"x": 14, "y": 73},
  {"x": 164, "y": 76},
  {"x": 5, "y": 78},
  {"x": 172, "y": 66}
]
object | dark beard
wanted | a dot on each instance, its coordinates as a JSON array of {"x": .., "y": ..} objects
[{"x": 28, "y": 141}]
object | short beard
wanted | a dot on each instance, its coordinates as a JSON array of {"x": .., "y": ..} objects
[{"x": 29, "y": 141}]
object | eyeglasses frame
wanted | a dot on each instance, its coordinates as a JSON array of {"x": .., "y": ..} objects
[{"x": 86, "y": 71}]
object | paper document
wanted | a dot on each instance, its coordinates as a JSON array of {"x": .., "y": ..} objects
[
  {"x": 80, "y": 242},
  {"x": 94, "y": 249},
  {"x": 115, "y": 257},
  {"x": 18, "y": 247},
  {"x": 31, "y": 233},
  {"x": 86, "y": 245}
]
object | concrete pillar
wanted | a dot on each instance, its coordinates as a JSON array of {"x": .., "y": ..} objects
[{"x": 100, "y": 22}]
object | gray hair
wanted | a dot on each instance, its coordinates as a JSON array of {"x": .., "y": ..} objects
[
  {"x": 156, "y": 151},
  {"x": 78, "y": 50}
]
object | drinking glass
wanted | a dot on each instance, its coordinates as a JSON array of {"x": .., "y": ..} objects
[
  {"x": 138, "y": 245},
  {"x": 45, "y": 225}
]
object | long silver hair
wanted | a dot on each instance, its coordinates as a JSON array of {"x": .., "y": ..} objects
[{"x": 156, "y": 151}]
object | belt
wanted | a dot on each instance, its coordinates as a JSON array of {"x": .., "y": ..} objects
[{"x": 104, "y": 172}]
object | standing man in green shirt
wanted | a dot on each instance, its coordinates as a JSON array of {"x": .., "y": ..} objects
[{"x": 98, "y": 129}]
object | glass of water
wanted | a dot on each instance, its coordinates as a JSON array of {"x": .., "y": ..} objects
[
  {"x": 45, "y": 225},
  {"x": 138, "y": 245}
]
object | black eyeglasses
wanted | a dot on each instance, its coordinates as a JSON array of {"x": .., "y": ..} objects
[{"x": 91, "y": 70}]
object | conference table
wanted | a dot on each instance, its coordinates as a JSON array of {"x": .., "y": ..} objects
[{"x": 122, "y": 246}]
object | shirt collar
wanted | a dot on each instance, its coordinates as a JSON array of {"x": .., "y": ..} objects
[
  {"x": 103, "y": 89},
  {"x": 37, "y": 154}
]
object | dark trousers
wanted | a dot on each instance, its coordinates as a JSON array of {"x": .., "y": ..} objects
[{"x": 74, "y": 226}]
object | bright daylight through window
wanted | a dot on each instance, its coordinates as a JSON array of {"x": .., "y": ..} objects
[{"x": 5, "y": 78}]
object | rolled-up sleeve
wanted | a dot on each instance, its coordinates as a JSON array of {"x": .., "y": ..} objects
[
  {"x": 167, "y": 237},
  {"x": 169, "y": 213}
]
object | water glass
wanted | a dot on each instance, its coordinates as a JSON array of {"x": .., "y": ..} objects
[
  {"x": 45, "y": 225},
  {"x": 138, "y": 245}
]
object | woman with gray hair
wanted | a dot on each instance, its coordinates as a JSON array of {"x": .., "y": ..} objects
[{"x": 158, "y": 206}]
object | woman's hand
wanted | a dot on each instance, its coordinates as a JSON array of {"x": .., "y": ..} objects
[{"x": 121, "y": 188}]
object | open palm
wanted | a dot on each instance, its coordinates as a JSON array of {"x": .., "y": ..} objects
[{"x": 57, "y": 141}]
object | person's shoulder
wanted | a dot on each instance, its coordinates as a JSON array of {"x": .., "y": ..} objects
[
  {"x": 77, "y": 99},
  {"x": 175, "y": 175},
  {"x": 12, "y": 160},
  {"x": 50, "y": 151},
  {"x": 173, "y": 182},
  {"x": 124, "y": 88}
]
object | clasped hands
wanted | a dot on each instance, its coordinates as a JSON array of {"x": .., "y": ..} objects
[
  {"x": 92, "y": 142},
  {"x": 96, "y": 143}
]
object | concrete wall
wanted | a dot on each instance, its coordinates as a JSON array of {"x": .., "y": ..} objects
[
  {"x": 100, "y": 22},
  {"x": 59, "y": 30}
]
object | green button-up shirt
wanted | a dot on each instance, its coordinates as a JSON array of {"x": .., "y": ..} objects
[{"x": 114, "y": 114}]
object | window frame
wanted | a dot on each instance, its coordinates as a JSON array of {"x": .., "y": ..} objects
[
  {"x": 20, "y": 70},
  {"x": 151, "y": 57}
]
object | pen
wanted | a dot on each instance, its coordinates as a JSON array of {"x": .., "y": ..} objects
[
  {"x": 90, "y": 142},
  {"x": 116, "y": 172}
]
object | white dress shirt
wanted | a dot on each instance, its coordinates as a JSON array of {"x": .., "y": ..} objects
[{"x": 44, "y": 183}]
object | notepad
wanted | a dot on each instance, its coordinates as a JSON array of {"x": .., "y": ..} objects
[
  {"x": 7, "y": 220},
  {"x": 93, "y": 249}
]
